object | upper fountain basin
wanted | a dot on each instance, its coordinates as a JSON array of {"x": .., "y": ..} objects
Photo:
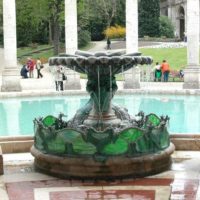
[{"x": 103, "y": 62}]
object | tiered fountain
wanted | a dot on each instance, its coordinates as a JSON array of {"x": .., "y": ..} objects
[{"x": 102, "y": 140}]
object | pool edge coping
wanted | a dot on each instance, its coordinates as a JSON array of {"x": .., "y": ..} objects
[
  {"x": 21, "y": 144},
  {"x": 33, "y": 93}
]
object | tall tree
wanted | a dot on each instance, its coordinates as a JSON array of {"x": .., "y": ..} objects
[
  {"x": 27, "y": 22},
  {"x": 103, "y": 14},
  {"x": 34, "y": 18},
  {"x": 149, "y": 13}
]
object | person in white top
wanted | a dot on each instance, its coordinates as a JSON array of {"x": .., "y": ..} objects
[
  {"x": 39, "y": 66},
  {"x": 58, "y": 75},
  {"x": 157, "y": 72}
]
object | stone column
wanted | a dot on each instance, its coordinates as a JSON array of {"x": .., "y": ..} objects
[
  {"x": 131, "y": 26},
  {"x": 192, "y": 71},
  {"x": 71, "y": 42},
  {"x": 169, "y": 10},
  {"x": 10, "y": 74},
  {"x": 71, "y": 28},
  {"x": 132, "y": 76}
]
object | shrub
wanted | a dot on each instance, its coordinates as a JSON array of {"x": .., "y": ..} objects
[
  {"x": 166, "y": 27},
  {"x": 115, "y": 32},
  {"x": 84, "y": 38}
]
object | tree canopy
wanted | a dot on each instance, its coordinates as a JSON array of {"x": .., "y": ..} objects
[
  {"x": 149, "y": 13},
  {"x": 42, "y": 21}
]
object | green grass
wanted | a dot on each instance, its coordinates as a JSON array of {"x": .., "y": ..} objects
[
  {"x": 24, "y": 50},
  {"x": 44, "y": 55},
  {"x": 176, "y": 57}
]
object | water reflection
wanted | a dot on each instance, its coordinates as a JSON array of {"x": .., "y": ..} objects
[
  {"x": 184, "y": 111},
  {"x": 16, "y": 115}
]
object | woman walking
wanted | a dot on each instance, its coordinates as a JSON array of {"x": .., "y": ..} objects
[{"x": 39, "y": 66}]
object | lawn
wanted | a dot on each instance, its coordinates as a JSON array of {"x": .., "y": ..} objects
[
  {"x": 39, "y": 52},
  {"x": 176, "y": 57}
]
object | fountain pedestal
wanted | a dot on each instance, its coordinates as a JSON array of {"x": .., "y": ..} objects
[
  {"x": 103, "y": 120},
  {"x": 114, "y": 167}
]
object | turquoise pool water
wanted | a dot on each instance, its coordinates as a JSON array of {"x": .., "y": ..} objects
[{"x": 16, "y": 115}]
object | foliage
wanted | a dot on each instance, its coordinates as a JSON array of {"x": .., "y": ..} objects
[
  {"x": 149, "y": 13},
  {"x": 26, "y": 23},
  {"x": 84, "y": 38},
  {"x": 42, "y": 21},
  {"x": 103, "y": 14},
  {"x": 115, "y": 32},
  {"x": 39, "y": 21},
  {"x": 166, "y": 27}
]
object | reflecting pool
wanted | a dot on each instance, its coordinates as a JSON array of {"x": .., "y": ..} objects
[{"x": 16, "y": 115}]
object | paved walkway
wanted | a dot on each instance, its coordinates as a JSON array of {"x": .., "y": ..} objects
[{"x": 22, "y": 182}]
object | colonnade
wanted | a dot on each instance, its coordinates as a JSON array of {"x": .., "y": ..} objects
[{"x": 10, "y": 74}]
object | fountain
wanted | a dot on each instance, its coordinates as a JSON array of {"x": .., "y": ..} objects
[{"x": 102, "y": 141}]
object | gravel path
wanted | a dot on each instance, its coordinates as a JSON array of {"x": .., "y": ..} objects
[{"x": 101, "y": 45}]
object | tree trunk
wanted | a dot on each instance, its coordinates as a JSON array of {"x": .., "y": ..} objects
[
  {"x": 56, "y": 37},
  {"x": 50, "y": 32}
]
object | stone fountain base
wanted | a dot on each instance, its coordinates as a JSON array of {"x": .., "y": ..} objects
[{"x": 113, "y": 167}]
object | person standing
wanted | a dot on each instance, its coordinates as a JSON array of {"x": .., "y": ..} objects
[
  {"x": 30, "y": 66},
  {"x": 165, "y": 70},
  {"x": 157, "y": 72},
  {"x": 59, "y": 78},
  {"x": 39, "y": 66},
  {"x": 108, "y": 43}
]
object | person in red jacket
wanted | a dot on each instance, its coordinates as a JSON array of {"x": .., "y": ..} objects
[
  {"x": 165, "y": 70},
  {"x": 30, "y": 65}
]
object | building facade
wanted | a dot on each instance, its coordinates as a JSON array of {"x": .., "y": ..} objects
[{"x": 176, "y": 11}]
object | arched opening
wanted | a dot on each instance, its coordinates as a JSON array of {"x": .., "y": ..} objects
[{"x": 182, "y": 22}]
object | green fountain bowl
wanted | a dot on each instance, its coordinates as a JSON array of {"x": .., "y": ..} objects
[{"x": 93, "y": 154}]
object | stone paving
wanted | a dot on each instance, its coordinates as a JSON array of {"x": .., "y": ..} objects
[{"x": 22, "y": 182}]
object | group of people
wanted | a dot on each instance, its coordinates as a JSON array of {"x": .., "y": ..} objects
[
  {"x": 28, "y": 69},
  {"x": 161, "y": 71}
]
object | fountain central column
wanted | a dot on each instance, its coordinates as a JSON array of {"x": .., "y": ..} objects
[
  {"x": 101, "y": 90},
  {"x": 10, "y": 73},
  {"x": 192, "y": 71}
]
